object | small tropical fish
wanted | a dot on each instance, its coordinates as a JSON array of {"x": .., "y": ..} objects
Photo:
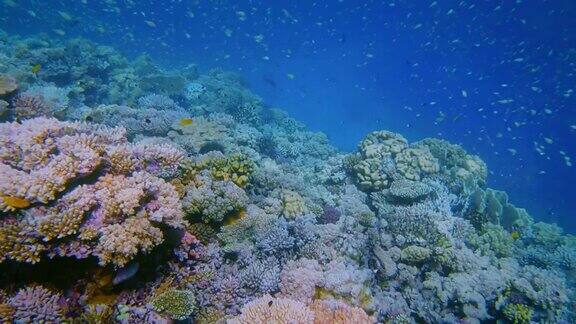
[
  {"x": 59, "y": 32},
  {"x": 150, "y": 23},
  {"x": 186, "y": 121},
  {"x": 36, "y": 68},
  {"x": 15, "y": 202},
  {"x": 515, "y": 235}
]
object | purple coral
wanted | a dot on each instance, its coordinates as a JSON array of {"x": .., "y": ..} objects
[
  {"x": 36, "y": 304},
  {"x": 330, "y": 215}
]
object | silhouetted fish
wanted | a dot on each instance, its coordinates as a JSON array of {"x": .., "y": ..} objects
[
  {"x": 270, "y": 82},
  {"x": 126, "y": 273}
]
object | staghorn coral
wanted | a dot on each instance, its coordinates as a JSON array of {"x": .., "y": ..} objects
[{"x": 36, "y": 304}]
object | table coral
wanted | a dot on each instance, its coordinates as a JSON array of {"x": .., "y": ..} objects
[{"x": 267, "y": 309}]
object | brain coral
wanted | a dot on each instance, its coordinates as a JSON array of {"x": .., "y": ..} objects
[{"x": 66, "y": 192}]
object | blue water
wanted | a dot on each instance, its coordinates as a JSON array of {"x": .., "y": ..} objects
[{"x": 494, "y": 76}]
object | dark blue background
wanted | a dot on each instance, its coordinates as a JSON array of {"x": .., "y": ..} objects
[{"x": 357, "y": 67}]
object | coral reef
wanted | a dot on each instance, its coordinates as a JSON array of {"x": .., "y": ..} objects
[{"x": 173, "y": 196}]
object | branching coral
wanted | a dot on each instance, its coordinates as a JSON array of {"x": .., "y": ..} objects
[
  {"x": 267, "y": 309},
  {"x": 41, "y": 101},
  {"x": 36, "y": 304},
  {"x": 518, "y": 313},
  {"x": 119, "y": 243},
  {"x": 48, "y": 161},
  {"x": 213, "y": 200},
  {"x": 157, "y": 102},
  {"x": 299, "y": 279},
  {"x": 150, "y": 122},
  {"x": 176, "y": 304},
  {"x": 194, "y": 136}
]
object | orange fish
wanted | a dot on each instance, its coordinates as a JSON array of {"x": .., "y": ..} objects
[{"x": 15, "y": 202}]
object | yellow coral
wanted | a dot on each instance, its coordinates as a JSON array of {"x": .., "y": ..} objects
[
  {"x": 412, "y": 163},
  {"x": 293, "y": 204},
  {"x": 16, "y": 244}
]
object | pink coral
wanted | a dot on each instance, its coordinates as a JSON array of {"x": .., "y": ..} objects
[
  {"x": 72, "y": 167},
  {"x": 36, "y": 304},
  {"x": 267, "y": 309},
  {"x": 299, "y": 279},
  {"x": 332, "y": 311},
  {"x": 121, "y": 242}
]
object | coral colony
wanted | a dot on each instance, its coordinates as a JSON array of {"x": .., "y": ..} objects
[{"x": 133, "y": 194}]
